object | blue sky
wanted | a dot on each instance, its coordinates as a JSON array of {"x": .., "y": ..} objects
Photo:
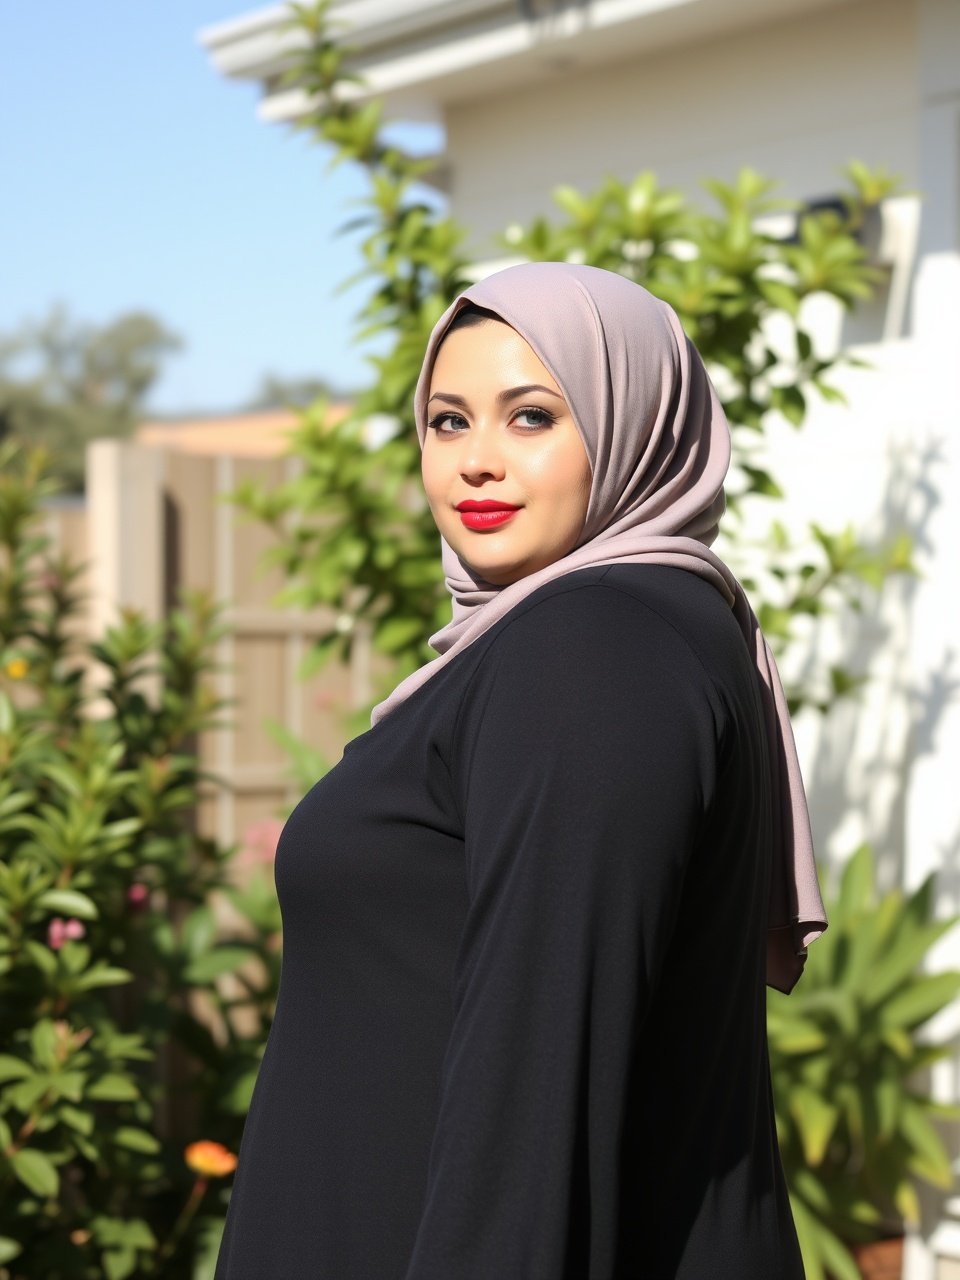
[{"x": 135, "y": 177}]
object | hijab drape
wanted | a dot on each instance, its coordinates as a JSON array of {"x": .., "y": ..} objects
[{"x": 659, "y": 448}]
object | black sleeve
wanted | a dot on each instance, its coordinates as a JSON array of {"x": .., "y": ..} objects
[{"x": 585, "y": 757}]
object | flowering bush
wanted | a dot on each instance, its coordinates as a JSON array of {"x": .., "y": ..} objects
[{"x": 120, "y": 1045}]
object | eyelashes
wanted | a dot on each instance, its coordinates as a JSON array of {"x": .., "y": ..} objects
[{"x": 541, "y": 418}]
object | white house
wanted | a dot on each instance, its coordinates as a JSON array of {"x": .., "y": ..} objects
[{"x": 533, "y": 93}]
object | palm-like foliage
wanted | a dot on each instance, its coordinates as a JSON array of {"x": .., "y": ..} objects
[{"x": 848, "y": 1053}]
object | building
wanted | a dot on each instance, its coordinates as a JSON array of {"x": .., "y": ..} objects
[
  {"x": 254, "y": 434},
  {"x": 533, "y": 93}
]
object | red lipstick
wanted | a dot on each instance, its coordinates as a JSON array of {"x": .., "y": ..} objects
[{"x": 485, "y": 515}]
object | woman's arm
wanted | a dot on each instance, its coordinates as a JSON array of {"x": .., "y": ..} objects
[{"x": 585, "y": 758}]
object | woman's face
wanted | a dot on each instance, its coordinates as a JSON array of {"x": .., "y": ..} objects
[{"x": 504, "y": 468}]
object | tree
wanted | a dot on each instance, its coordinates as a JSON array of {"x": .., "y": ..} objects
[
  {"x": 284, "y": 393},
  {"x": 63, "y": 382}
]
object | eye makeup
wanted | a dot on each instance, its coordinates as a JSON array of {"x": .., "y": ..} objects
[{"x": 546, "y": 419}]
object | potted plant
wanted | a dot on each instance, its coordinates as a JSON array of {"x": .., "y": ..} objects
[{"x": 855, "y": 1119}]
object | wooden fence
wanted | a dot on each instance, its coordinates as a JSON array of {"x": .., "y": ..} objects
[{"x": 155, "y": 520}]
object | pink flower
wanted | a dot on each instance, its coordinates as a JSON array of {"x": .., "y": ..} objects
[
  {"x": 259, "y": 844},
  {"x": 61, "y": 931},
  {"x": 138, "y": 895}
]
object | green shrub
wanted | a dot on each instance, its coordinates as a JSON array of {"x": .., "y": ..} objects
[
  {"x": 847, "y": 1052},
  {"x": 119, "y": 1044}
]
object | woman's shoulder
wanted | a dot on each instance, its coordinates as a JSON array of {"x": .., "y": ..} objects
[
  {"x": 611, "y": 612},
  {"x": 592, "y": 660},
  {"x": 599, "y": 634}
]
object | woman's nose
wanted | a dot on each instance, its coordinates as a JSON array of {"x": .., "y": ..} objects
[{"x": 482, "y": 459}]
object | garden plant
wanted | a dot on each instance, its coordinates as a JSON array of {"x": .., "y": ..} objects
[
  {"x": 126, "y": 1065},
  {"x": 849, "y": 1052}
]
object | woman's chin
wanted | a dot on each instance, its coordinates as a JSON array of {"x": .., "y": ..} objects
[
  {"x": 496, "y": 573},
  {"x": 499, "y": 574}
]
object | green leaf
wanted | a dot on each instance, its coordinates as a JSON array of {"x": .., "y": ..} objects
[
  {"x": 119, "y": 1263},
  {"x": 36, "y": 1171},
  {"x": 67, "y": 1084},
  {"x": 25, "y": 1094},
  {"x": 81, "y": 1121},
  {"x": 761, "y": 481},
  {"x": 816, "y": 1119},
  {"x": 798, "y": 1035},
  {"x": 930, "y": 1159},
  {"x": 238, "y": 1096},
  {"x": 397, "y": 633},
  {"x": 856, "y": 883},
  {"x": 68, "y": 902},
  {"x": 907, "y": 1202},
  {"x": 136, "y": 1140},
  {"x": 831, "y": 394},
  {"x": 103, "y": 975},
  {"x": 113, "y": 1087},
  {"x": 43, "y": 1042},
  {"x": 837, "y": 1256},
  {"x": 924, "y": 997},
  {"x": 121, "y": 829},
  {"x": 781, "y": 296},
  {"x": 887, "y": 1095},
  {"x": 136, "y": 1234},
  {"x": 64, "y": 776},
  {"x": 214, "y": 964},
  {"x": 902, "y": 953},
  {"x": 899, "y": 1042},
  {"x": 199, "y": 930},
  {"x": 791, "y": 403},
  {"x": 9, "y": 1249},
  {"x": 12, "y": 1068},
  {"x": 808, "y": 1234}
]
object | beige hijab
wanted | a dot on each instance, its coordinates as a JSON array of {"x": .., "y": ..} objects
[{"x": 659, "y": 447}]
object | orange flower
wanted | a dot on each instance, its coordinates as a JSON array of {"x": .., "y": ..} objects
[
  {"x": 211, "y": 1159},
  {"x": 17, "y": 668}
]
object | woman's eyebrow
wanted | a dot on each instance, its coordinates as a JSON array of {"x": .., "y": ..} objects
[{"x": 502, "y": 397}]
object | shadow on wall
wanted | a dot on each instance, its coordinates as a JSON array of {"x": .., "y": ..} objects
[
  {"x": 868, "y": 746},
  {"x": 890, "y": 236}
]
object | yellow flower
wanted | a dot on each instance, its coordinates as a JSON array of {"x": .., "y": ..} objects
[
  {"x": 17, "y": 668},
  {"x": 211, "y": 1159}
]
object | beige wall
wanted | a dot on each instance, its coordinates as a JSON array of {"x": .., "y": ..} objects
[{"x": 795, "y": 99}]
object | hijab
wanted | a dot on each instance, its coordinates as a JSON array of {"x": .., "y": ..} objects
[{"x": 659, "y": 447}]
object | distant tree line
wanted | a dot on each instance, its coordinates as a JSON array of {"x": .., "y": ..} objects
[{"x": 65, "y": 382}]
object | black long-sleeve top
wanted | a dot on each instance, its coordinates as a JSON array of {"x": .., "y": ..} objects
[{"x": 521, "y": 1032}]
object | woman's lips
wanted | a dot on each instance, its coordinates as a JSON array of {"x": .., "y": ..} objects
[{"x": 492, "y": 517}]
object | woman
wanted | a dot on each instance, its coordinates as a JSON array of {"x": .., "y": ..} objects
[{"x": 529, "y": 916}]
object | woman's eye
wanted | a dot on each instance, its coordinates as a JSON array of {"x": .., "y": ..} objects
[
  {"x": 530, "y": 419},
  {"x": 447, "y": 422},
  {"x": 535, "y": 418}
]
